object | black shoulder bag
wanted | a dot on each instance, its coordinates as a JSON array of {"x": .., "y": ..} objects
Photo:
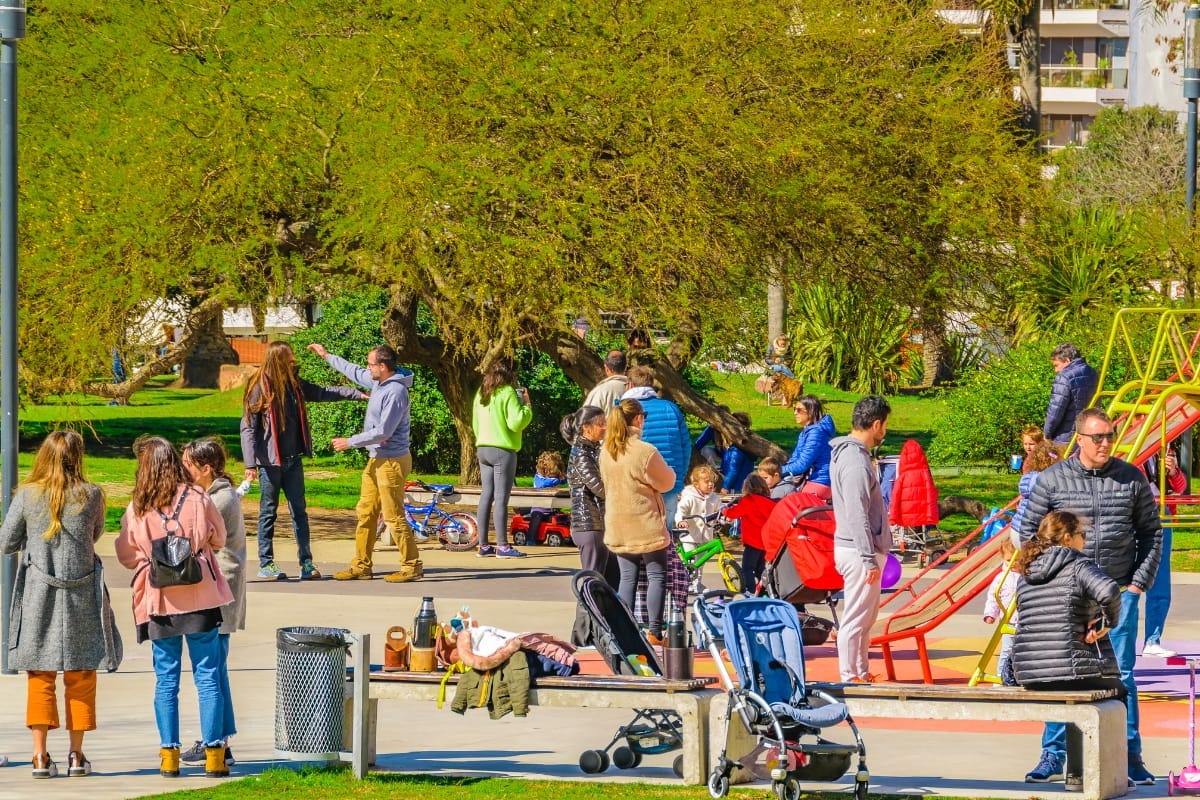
[{"x": 172, "y": 561}]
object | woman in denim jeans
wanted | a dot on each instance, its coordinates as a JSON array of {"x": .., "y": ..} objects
[
  {"x": 275, "y": 438},
  {"x": 164, "y": 500}
]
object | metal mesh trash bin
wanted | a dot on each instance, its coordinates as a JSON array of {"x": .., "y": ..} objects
[{"x": 310, "y": 673}]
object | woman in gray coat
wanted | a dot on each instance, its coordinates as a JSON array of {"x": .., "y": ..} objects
[
  {"x": 204, "y": 460},
  {"x": 57, "y": 622}
]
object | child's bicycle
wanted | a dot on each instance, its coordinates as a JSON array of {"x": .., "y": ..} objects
[
  {"x": 455, "y": 530},
  {"x": 695, "y": 559}
]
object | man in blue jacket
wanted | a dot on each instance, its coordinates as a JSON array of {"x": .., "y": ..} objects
[
  {"x": 1073, "y": 389},
  {"x": 664, "y": 428}
]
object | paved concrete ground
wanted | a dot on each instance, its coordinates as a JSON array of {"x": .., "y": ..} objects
[{"x": 532, "y": 594}]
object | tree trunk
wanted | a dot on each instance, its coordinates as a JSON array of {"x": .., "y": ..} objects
[
  {"x": 193, "y": 330},
  {"x": 933, "y": 350},
  {"x": 777, "y": 306},
  {"x": 457, "y": 378},
  {"x": 1025, "y": 34},
  {"x": 202, "y": 367}
]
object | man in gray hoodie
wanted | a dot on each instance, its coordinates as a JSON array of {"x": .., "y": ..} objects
[
  {"x": 861, "y": 537},
  {"x": 385, "y": 436}
]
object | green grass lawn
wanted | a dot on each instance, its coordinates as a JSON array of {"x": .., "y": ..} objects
[{"x": 317, "y": 784}]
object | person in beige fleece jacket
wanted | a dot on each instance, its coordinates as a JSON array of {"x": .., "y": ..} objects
[{"x": 635, "y": 522}]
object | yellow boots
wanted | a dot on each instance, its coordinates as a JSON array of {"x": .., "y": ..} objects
[
  {"x": 214, "y": 762},
  {"x": 168, "y": 762}
]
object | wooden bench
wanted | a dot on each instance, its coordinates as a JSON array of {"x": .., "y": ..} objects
[
  {"x": 1095, "y": 720},
  {"x": 689, "y": 698}
]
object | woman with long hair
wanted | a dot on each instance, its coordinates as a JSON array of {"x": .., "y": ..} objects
[
  {"x": 275, "y": 438},
  {"x": 164, "y": 501},
  {"x": 585, "y": 432},
  {"x": 635, "y": 476},
  {"x": 204, "y": 459},
  {"x": 500, "y": 412},
  {"x": 810, "y": 458},
  {"x": 55, "y": 518}
]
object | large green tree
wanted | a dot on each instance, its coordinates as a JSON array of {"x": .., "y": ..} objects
[{"x": 508, "y": 166}]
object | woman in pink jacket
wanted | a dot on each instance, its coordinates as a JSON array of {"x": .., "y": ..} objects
[{"x": 164, "y": 499}]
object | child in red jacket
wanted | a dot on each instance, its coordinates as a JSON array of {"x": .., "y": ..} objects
[{"x": 752, "y": 509}]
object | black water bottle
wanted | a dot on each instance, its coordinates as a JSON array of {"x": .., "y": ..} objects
[
  {"x": 676, "y": 629},
  {"x": 425, "y": 624}
]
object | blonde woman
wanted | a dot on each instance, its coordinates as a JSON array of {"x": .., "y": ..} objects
[
  {"x": 55, "y": 519},
  {"x": 635, "y": 475},
  {"x": 165, "y": 499}
]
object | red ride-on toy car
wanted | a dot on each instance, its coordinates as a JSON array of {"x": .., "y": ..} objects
[{"x": 553, "y": 530}]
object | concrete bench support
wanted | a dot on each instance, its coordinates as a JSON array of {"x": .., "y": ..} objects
[
  {"x": 688, "y": 698},
  {"x": 1096, "y": 720}
]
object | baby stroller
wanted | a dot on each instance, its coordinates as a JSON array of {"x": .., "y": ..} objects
[
  {"x": 800, "y": 568},
  {"x": 772, "y": 698},
  {"x": 611, "y": 629},
  {"x": 912, "y": 501}
]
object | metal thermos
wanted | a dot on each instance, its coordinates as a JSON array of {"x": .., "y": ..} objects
[
  {"x": 676, "y": 630},
  {"x": 425, "y": 624},
  {"x": 677, "y": 655}
]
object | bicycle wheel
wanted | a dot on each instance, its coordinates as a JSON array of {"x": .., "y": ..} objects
[
  {"x": 731, "y": 572},
  {"x": 458, "y": 531}
]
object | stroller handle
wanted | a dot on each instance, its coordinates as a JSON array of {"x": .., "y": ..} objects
[{"x": 804, "y": 512}]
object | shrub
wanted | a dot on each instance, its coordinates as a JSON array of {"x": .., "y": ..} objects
[{"x": 986, "y": 412}]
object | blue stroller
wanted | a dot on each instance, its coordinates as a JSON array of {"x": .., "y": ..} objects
[{"x": 772, "y": 698}]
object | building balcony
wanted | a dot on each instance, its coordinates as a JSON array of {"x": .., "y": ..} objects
[
  {"x": 1082, "y": 90},
  {"x": 1087, "y": 18}
]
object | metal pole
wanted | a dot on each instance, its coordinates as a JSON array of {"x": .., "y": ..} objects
[
  {"x": 1191, "y": 92},
  {"x": 1191, "y": 161},
  {"x": 12, "y": 28}
]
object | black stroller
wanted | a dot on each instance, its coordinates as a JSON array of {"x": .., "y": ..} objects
[
  {"x": 607, "y": 625},
  {"x": 772, "y": 698}
]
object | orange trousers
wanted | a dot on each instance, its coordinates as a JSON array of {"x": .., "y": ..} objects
[{"x": 42, "y": 703}]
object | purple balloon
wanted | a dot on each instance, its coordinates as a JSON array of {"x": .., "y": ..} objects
[{"x": 891, "y": 571}]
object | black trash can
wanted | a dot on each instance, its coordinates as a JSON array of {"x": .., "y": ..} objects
[{"x": 310, "y": 675}]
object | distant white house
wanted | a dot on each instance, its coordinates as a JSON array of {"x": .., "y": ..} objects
[{"x": 279, "y": 321}]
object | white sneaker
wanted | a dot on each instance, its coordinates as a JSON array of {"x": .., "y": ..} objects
[{"x": 1156, "y": 650}]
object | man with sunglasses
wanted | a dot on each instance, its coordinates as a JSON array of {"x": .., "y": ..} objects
[{"x": 1125, "y": 542}]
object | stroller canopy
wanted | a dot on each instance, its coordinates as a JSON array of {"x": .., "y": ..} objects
[
  {"x": 762, "y": 637},
  {"x": 803, "y": 524},
  {"x": 914, "y": 497}
]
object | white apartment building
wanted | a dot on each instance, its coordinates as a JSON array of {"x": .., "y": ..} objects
[{"x": 1084, "y": 65}]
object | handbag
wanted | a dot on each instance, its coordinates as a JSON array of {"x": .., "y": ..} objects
[{"x": 172, "y": 560}]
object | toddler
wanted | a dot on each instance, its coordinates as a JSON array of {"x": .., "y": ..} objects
[
  {"x": 752, "y": 509},
  {"x": 772, "y": 472},
  {"x": 698, "y": 497},
  {"x": 999, "y": 596},
  {"x": 550, "y": 471}
]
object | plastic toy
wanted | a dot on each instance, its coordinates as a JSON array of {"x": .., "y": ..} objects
[
  {"x": 1188, "y": 780},
  {"x": 555, "y": 531}
]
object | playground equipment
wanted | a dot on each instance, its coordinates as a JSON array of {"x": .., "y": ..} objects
[{"x": 1156, "y": 405}]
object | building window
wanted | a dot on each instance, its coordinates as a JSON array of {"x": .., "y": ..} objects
[{"x": 1061, "y": 130}]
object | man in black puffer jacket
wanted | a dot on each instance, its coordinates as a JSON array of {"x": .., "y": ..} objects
[
  {"x": 1125, "y": 541},
  {"x": 1072, "y": 391}
]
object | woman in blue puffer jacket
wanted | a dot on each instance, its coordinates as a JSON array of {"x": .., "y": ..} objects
[{"x": 811, "y": 457}]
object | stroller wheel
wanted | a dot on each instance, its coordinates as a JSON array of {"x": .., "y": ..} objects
[
  {"x": 593, "y": 762},
  {"x": 677, "y": 766},
  {"x": 860, "y": 789},
  {"x": 718, "y": 784},
  {"x": 626, "y": 758},
  {"x": 787, "y": 789}
]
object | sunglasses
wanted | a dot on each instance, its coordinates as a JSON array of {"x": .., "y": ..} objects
[{"x": 1100, "y": 438}]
